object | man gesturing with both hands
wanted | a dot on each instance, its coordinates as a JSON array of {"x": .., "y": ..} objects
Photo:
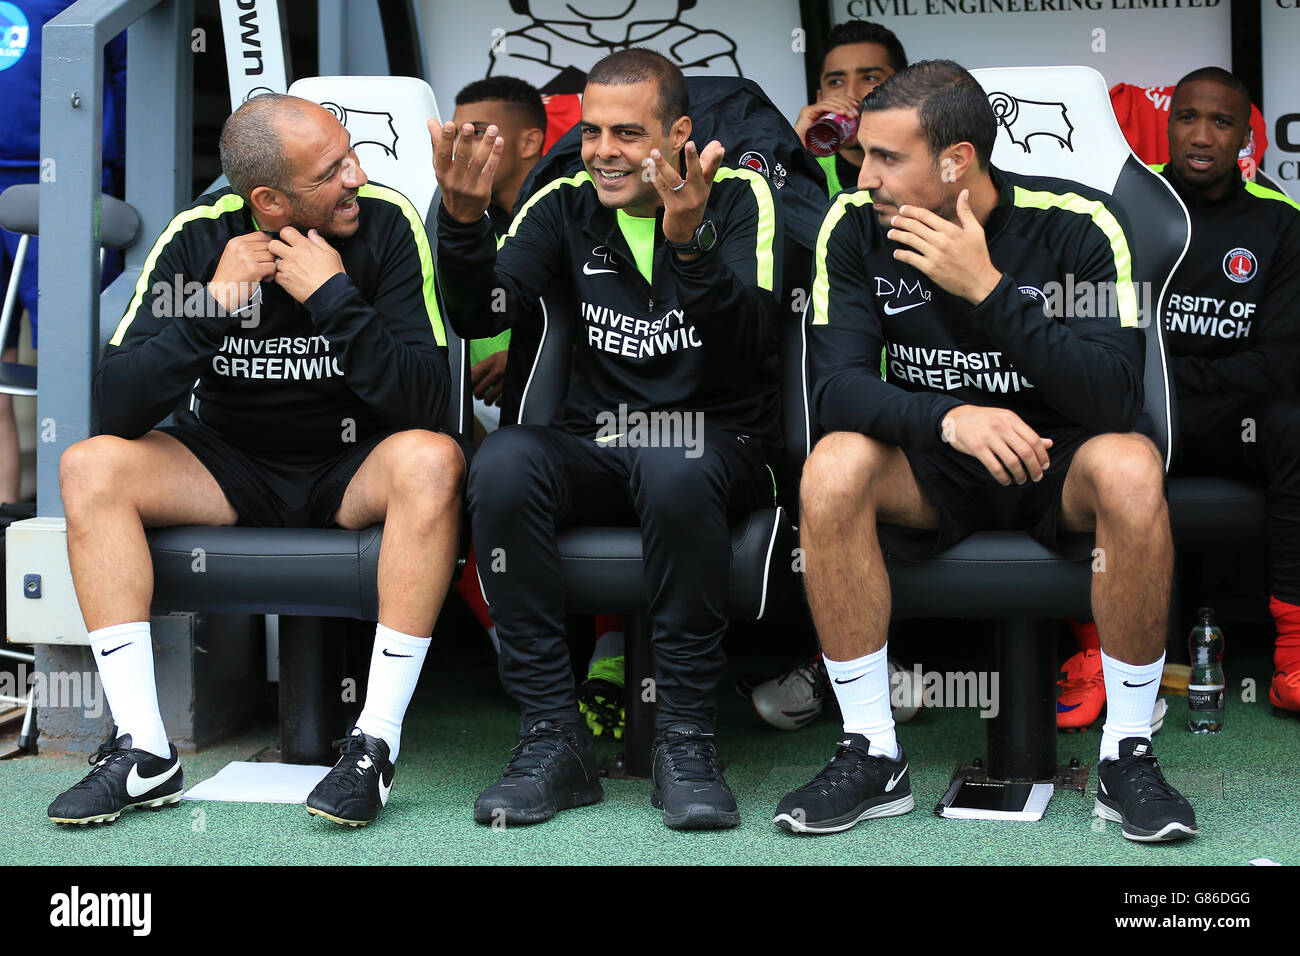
[{"x": 666, "y": 264}]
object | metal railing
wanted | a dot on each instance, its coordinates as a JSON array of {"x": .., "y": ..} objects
[{"x": 159, "y": 113}]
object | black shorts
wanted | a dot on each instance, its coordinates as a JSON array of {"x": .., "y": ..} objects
[
  {"x": 968, "y": 499},
  {"x": 274, "y": 492}
]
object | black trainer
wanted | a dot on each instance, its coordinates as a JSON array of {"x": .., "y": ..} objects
[
  {"x": 1133, "y": 792},
  {"x": 689, "y": 786},
  {"x": 552, "y": 768},
  {"x": 353, "y": 793},
  {"x": 854, "y": 786},
  {"x": 123, "y": 777}
]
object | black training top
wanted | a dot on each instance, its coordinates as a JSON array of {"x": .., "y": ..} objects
[
  {"x": 653, "y": 333},
  {"x": 365, "y": 353},
  {"x": 1231, "y": 326},
  {"x": 1062, "y": 250}
]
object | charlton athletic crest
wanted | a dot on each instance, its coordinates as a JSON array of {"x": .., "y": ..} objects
[
  {"x": 1239, "y": 265},
  {"x": 756, "y": 161}
]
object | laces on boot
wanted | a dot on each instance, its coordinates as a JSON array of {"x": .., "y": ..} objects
[
  {"x": 1143, "y": 775},
  {"x": 352, "y": 749},
  {"x": 534, "y": 752},
  {"x": 691, "y": 758},
  {"x": 846, "y": 764}
]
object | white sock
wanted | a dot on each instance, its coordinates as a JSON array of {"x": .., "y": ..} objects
[
  {"x": 1131, "y": 691},
  {"x": 124, "y": 655},
  {"x": 395, "y": 666},
  {"x": 862, "y": 688}
]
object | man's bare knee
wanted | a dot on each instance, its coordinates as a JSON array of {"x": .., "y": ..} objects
[
  {"x": 92, "y": 470},
  {"x": 840, "y": 473},
  {"x": 1127, "y": 477},
  {"x": 425, "y": 463}
]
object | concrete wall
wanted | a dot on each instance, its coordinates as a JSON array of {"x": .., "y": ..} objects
[{"x": 211, "y": 676}]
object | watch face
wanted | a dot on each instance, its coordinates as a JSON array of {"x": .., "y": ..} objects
[{"x": 707, "y": 235}]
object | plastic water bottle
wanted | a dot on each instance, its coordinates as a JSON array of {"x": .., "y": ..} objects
[
  {"x": 830, "y": 131},
  {"x": 1205, "y": 687}
]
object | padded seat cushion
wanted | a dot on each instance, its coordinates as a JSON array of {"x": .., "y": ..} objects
[{"x": 603, "y": 570}]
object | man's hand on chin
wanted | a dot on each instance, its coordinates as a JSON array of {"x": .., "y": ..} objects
[
  {"x": 303, "y": 263},
  {"x": 955, "y": 256}
]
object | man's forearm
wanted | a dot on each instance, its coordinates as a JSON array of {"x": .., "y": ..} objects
[
  {"x": 139, "y": 383},
  {"x": 466, "y": 277},
  {"x": 1096, "y": 385},
  {"x": 852, "y": 399},
  {"x": 407, "y": 385}
]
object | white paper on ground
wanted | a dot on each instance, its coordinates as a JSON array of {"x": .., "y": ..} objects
[
  {"x": 246, "y": 782},
  {"x": 1040, "y": 795},
  {"x": 1263, "y": 861}
]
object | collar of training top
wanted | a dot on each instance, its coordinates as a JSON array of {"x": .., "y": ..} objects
[
  {"x": 1193, "y": 197},
  {"x": 1001, "y": 213}
]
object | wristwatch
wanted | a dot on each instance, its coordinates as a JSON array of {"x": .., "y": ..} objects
[{"x": 705, "y": 238}]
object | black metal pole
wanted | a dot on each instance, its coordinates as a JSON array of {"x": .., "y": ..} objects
[
  {"x": 1022, "y": 737},
  {"x": 311, "y": 664},
  {"x": 638, "y": 696}
]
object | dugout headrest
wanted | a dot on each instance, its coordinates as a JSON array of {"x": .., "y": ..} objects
[
  {"x": 386, "y": 117},
  {"x": 1055, "y": 121}
]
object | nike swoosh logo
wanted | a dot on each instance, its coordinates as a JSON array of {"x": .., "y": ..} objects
[
  {"x": 889, "y": 310},
  {"x": 893, "y": 781},
  {"x": 384, "y": 791},
  {"x": 388, "y": 654},
  {"x": 118, "y": 648},
  {"x": 850, "y": 680},
  {"x": 588, "y": 270},
  {"x": 138, "y": 786},
  {"x": 1127, "y": 684}
]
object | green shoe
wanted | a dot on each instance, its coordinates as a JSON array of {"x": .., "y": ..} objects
[{"x": 600, "y": 698}]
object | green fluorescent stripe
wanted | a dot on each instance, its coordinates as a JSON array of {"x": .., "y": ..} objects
[
  {"x": 479, "y": 349},
  {"x": 1252, "y": 187},
  {"x": 821, "y": 291},
  {"x": 1106, "y": 222},
  {"x": 576, "y": 180},
  {"x": 639, "y": 232},
  {"x": 1263, "y": 192},
  {"x": 766, "y": 238},
  {"x": 832, "y": 174},
  {"x": 227, "y": 203},
  {"x": 371, "y": 191}
]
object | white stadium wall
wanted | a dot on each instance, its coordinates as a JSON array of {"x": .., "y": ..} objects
[
  {"x": 1117, "y": 38},
  {"x": 1281, "y": 30},
  {"x": 757, "y": 39}
]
